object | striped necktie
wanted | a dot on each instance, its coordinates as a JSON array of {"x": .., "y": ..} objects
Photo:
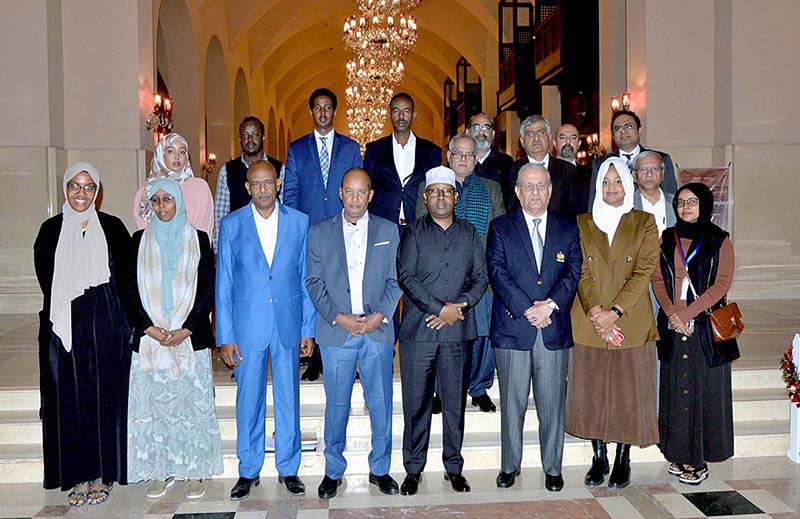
[{"x": 324, "y": 161}]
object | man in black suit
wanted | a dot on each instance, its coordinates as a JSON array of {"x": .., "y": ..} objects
[
  {"x": 534, "y": 135},
  {"x": 492, "y": 164},
  {"x": 397, "y": 164},
  {"x": 626, "y": 128},
  {"x": 566, "y": 142}
]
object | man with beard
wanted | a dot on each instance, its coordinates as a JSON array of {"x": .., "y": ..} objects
[
  {"x": 491, "y": 163},
  {"x": 441, "y": 268},
  {"x": 263, "y": 309},
  {"x": 231, "y": 193},
  {"x": 567, "y": 141}
]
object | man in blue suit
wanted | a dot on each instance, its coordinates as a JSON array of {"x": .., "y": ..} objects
[
  {"x": 352, "y": 279},
  {"x": 263, "y": 308},
  {"x": 397, "y": 164},
  {"x": 534, "y": 262},
  {"x": 314, "y": 170}
]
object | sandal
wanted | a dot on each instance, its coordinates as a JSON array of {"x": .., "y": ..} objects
[
  {"x": 694, "y": 476},
  {"x": 676, "y": 469},
  {"x": 81, "y": 495},
  {"x": 99, "y": 492}
]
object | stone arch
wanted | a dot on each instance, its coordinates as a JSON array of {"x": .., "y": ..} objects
[
  {"x": 282, "y": 150},
  {"x": 241, "y": 99},
  {"x": 217, "y": 107},
  {"x": 272, "y": 133}
]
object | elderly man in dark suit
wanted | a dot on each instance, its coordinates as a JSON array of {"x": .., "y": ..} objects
[
  {"x": 441, "y": 267},
  {"x": 534, "y": 135},
  {"x": 352, "y": 279},
  {"x": 534, "y": 262},
  {"x": 626, "y": 129},
  {"x": 566, "y": 142},
  {"x": 491, "y": 164},
  {"x": 397, "y": 164}
]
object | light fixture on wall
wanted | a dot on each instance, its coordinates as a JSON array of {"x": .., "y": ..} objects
[
  {"x": 621, "y": 102},
  {"x": 210, "y": 165},
  {"x": 160, "y": 120}
]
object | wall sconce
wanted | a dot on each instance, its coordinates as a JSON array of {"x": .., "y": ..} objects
[
  {"x": 160, "y": 121},
  {"x": 623, "y": 102},
  {"x": 595, "y": 148},
  {"x": 210, "y": 165}
]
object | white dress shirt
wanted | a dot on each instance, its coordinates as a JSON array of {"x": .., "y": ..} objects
[
  {"x": 658, "y": 210},
  {"x": 542, "y": 225},
  {"x": 328, "y": 142},
  {"x": 633, "y": 153},
  {"x": 404, "y": 162},
  {"x": 355, "y": 246},
  {"x": 545, "y": 162},
  {"x": 267, "y": 229}
]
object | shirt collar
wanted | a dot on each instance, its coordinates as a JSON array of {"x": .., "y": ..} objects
[
  {"x": 545, "y": 161},
  {"x": 330, "y": 134},
  {"x": 263, "y": 157},
  {"x": 271, "y": 217},
  {"x": 529, "y": 219},
  {"x": 412, "y": 142},
  {"x": 637, "y": 150},
  {"x": 360, "y": 223}
]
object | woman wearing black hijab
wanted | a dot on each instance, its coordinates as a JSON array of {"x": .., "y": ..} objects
[{"x": 695, "y": 404}]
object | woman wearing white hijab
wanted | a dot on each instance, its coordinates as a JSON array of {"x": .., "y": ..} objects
[
  {"x": 173, "y": 431},
  {"x": 611, "y": 392},
  {"x": 171, "y": 160},
  {"x": 84, "y": 355}
]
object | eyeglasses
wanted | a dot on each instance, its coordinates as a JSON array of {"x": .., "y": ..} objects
[
  {"x": 650, "y": 169},
  {"x": 481, "y": 127},
  {"x": 627, "y": 127},
  {"x": 256, "y": 185},
  {"x": 691, "y": 202},
  {"x": 74, "y": 187},
  {"x": 446, "y": 192},
  {"x": 166, "y": 199},
  {"x": 541, "y": 186},
  {"x": 542, "y": 132},
  {"x": 468, "y": 155}
]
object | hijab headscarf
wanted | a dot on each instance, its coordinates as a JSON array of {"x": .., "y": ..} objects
[
  {"x": 606, "y": 216},
  {"x": 81, "y": 259},
  {"x": 159, "y": 170},
  {"x": 705, "y": 205},
  {"x": 168, "y": 236}
]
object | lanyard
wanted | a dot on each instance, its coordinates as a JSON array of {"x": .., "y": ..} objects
[{"x": 692, "y": 255}]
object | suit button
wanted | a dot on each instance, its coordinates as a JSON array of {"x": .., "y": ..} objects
[
  {"x": 684, "y": 338},
  {"x": 446, "y": 248},
  {"x": 348, "y": 290},
  {"x": 539, "y": 282},
  {"x": 270, "y": 299},
  {"x": 684, "y": 356},
  {"x": 446, "y": 264},
  {"x": 685, "y": 391},
  {"x": 446, "y": 282},
  {"x": 326, "y": 199},
  {"x": 270, "y": 278},
  {"x": 594, "y": 280}
]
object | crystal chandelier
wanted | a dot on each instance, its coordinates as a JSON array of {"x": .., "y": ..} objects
[{"x": 379, "y": 36}]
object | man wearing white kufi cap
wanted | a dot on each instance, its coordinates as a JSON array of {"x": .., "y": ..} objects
[{"x": 441, "y": 268}]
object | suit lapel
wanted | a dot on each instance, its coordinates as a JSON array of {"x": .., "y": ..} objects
[
  {"x": 525, "y": 237},
  {"x": 389, "y": 153},
  {"x": 314, "y": 154},
  {"x": 550, "y": 233},
  {"x": 624, "y": 229},
  {"x": 282, "y": 230},
  {"x": 600, "y": 241},
  {"x": 250, "y": 226}
]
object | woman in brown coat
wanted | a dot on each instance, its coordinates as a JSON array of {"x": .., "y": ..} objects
[{"x": 611, "y": 390}]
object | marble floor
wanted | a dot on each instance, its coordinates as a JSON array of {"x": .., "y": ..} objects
[{"x": 754, "y": 487}]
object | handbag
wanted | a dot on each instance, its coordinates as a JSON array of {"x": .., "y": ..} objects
[{"x": 726, "y": 322}]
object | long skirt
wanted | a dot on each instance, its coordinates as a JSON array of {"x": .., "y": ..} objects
[
  {"x": 611, "y": 394},
  {"x": 695, "y": 418},
  {"x": 172, "y": 424},
  {"x": 84, "y": 393}
]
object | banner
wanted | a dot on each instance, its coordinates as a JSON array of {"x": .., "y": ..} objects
[{"x": 718, "y": 180}]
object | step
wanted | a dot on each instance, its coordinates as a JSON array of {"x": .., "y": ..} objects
[
  {"x": 481, "y": 451},
  {"x": 750, "y": 252},
  {"x": 766, "y": 281}
]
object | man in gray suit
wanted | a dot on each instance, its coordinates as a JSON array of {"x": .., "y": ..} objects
[{"x": 352, "y": 280}]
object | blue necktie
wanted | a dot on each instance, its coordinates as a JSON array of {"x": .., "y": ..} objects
[{"x": 324, "y": 162}]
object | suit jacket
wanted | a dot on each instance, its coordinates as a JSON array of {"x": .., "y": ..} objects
[
  {"x": 303, "y": 188},
  {"x": 517, "y": 283},
  {"x": 198, "y": 321},
  {"x": 670, "y": 183},
  {"x": 328, "y": 283},
  {"x": 495, "y": 166},
  {"x": 565, "y": 199},
  {"x": 617, "y": 275},
  {"x": 670, "y": 212},
  {"x": 389, "y": 192},
  {"x": 255, "y": 299}
]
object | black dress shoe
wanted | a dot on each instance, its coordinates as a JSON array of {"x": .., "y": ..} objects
[
  {"x": 457, "y": 481},
  {"x": 507, "y": 479},
  {"x": 437, "y": 404},
  {"x": 293, "y": 484},
  {"x": 484, "y": 402},
  {"x": 386, "y": 483},
  {"x": 328, "y": 487},
  {"x": 410, "y": 484},
  {"x": 242, "y": 488},
  {"x": 553, "y": 483},
  {"x": 311, "y": 373}
]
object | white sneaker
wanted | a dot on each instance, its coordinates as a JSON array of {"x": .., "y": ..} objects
[
  {"x": 195, "y": 489},
  {"x": 159, "y": 488}
]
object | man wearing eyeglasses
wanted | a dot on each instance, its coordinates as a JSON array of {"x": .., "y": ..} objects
[
  {"x": 626, "y": 128},
  {"x": 648, "y": 172},
  {"x": 534, "y": 136},
  {"x": 490, "y": 163},
  {"x": 479, "y": 202},
  {"x": 441, "y": 268}
]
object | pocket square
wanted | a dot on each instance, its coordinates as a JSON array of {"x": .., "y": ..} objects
[{"x": 381, "y": 243}]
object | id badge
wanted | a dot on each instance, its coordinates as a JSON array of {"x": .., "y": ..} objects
[{"x": 684, "y": 288}]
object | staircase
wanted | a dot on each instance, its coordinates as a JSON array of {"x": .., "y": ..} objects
[
  {"x": 765, "y": 269},
  {"x": 761, "y": 415}
]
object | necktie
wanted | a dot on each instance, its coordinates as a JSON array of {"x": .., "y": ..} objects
[
  {"x": 628, "y": 159},
  {"x": 538, "y": 249},
  {"x": 538, "y": 245},
  {"x": 324, "y": 161},
  {"x": 538, "y": 163}
]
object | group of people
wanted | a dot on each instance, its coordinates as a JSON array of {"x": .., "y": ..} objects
[{"x": 499, "y": 266}]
